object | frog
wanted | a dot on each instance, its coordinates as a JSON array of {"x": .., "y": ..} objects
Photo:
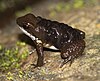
[{"x": 53, "y": 35}]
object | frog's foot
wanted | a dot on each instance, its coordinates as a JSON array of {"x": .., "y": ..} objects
[
  {"x": 70, "y": 59},
  {"x": 39, "y": 64},
  {"x": 63, "y": 63}
]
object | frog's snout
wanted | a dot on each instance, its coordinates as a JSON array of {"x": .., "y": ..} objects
[
  {"x": 18, "y": 21},
  {"x": 21, "y": 23},
  {"x": 80, "y": 34}
]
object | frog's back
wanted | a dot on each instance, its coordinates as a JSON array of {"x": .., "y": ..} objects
[{"x": 56, "y": 33}]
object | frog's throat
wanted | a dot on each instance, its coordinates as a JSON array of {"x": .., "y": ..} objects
[{"x": 28, "y": 34}]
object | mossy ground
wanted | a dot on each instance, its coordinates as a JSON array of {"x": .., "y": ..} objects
[{"x": 12, "y": 57}]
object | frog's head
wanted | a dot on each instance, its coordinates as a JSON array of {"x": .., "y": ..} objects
[
  {"x": 80, "y": 34},
  {"x": 27, "y": 24},
  {"x": 26, "y": 21}
]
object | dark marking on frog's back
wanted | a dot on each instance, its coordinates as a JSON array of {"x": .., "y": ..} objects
[{"x": 70, "y": 41}]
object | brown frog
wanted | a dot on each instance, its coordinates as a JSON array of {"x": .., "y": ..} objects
[{"x": 53, "y": 35}]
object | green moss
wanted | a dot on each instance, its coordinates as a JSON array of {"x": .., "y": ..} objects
[
  {"x": 78, "y": 3},
  {"x": 1, "y": 47},
  {"x": 20, "y": 74},
  {"x": 52, "y": 13},
  {"x": 9, "y": 76},
  {"x": 59, "y": 7},
  {"x": 20, "y": 44},
  {"x": 67, "y": 7},
  {"x": 72, "y": 4},
  {"x": 11, "y": 58}
]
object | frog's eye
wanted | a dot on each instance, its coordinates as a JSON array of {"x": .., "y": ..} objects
[
  {"x": 25, "y": 25},
  {"x": 82, "y": 34}
]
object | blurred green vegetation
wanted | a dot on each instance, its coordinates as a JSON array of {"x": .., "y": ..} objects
[
  {"x": 14, "y": 5},
  {"x": 5, "y": 4},
  {"x": 10, "y": 58},
  {"x": 72, "y": 4},
  {"x": 28, "y": 9},
  {"x": 25, "y": 6}
]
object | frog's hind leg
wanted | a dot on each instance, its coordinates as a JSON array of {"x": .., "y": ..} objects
[{"x": 71, "y": 51}]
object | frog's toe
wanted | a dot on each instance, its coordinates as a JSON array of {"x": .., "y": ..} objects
[
  {"x": 63, "y": 63},
  {"x": 70, "y": 59}
]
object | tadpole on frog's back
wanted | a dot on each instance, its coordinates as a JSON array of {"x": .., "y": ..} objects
[{"x": 53, "y": 35}]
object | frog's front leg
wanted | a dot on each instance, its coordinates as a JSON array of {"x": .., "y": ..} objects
[
  {"x": 39, "y": 49},
  {"x": 71, "y": 51},
  {"x": 40, "y": 60}
]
